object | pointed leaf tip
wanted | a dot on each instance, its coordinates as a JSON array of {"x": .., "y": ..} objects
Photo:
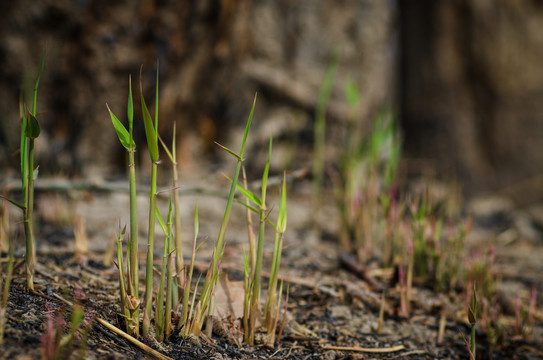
[{"x": 122, "y": 133}]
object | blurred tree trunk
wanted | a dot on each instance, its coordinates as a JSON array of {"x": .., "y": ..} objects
[{"x": 471, "y": 89}]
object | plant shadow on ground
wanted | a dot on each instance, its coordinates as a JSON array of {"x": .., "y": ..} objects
[{"x": 331, "y": 306}]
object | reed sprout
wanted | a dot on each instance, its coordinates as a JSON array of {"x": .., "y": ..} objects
[
  {"x": 127, "y": 141},
  {"x": 151, "y": 134}
]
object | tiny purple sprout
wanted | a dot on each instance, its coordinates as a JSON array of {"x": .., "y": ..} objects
[{"x": 533, "y": 299}]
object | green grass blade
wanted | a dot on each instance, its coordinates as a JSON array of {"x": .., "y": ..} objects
[
  {"x": 265, "y": 175},
  {"x": 130, "y": 110},
  {"x": 222, "y": 230},
  {"x": 160, "y": 220},
  {"x": 229, "y": 151},
  {"x": 196, "y": 223},
  {"x": 253, "y": 209},
  {"x": 35, "y": 100},
  {"x": 282, "y": 213},
  {"x": 156, "y": 97},
  {"x": 20, "y": 206},
  {"x": 252, "y": 197},
  {"x": 150, "y": 130},
  {"x": 168, "y": 153},
  {"x": 23, "y": 150},
  {"x": 246, "y": 133},
  {"x": 122, "y": 133}
]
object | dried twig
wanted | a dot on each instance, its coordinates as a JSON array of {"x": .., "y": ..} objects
[{"x": 362, "y": 349}]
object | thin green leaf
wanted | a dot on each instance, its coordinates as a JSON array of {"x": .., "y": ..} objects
[
  {"x": 246, "y": 133},
  {"x": 24, "y": 148},
  {"x": 130, "y": 109},
  {"x": 196, "y": 223},
  {"x": 282, "y": 213},
  {"x": 150, "y": 130},
  {"x": 20, "y": 206},
  {"x": 255, "y": 210},
  {"x": 122, "y": 133},
  {"x": 161, "y": 221},
  {"x": 173, "y": 143},
  {"x": 156, "y": 96},
  {"x": 170, "y": 155},
  {"x": 249, "y": 195},
  {"x": 265, "y": 175},
  {"x": 34, "y": 102},
  {"x": 170, "y": 212},
  {"x": 229, "y": 151},
  {"x": 32, "y": 129}
]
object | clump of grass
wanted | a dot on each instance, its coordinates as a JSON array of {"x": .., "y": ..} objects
[
  {"x": 194, "y": 312},
  {"x": 56, "y": 344},
  {"x": 260, "y": 202},
  {"x": 253, "y": 272},
  {"x": 367, "y": 170},
  {"x": 132, "y": 277},
  {"x": 273, "y": 300},
  {"x": 205, "y": 305}
]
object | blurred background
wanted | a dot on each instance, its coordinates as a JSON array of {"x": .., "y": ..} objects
[{"x": 464, "y": 78}]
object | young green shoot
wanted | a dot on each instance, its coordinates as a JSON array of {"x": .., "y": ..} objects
[
  {"x": 271, "y": 301},
  {"x": 129, "y": 303},
  {"x": 205, "y": 304},
  {"x": 261, "y": 209},
  {"x": 127, "y": 141},
  {"x": 250, "y": 232},
  {"x": 179, "y": 264},
  {"x": 472, "y": 318},
  {"x": 163, "y": 314},
  {"x": 151, "y": 134},
  {"x": 255, "y": 298},
  {"x": 30, "y": 130},
  {"x": 247, "y": 284},
  {"x": 58, "y": 345},
  {"x": 185, "y": 318}
]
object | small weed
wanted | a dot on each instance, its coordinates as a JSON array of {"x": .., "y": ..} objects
[{"x": 57, "y": 342}]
